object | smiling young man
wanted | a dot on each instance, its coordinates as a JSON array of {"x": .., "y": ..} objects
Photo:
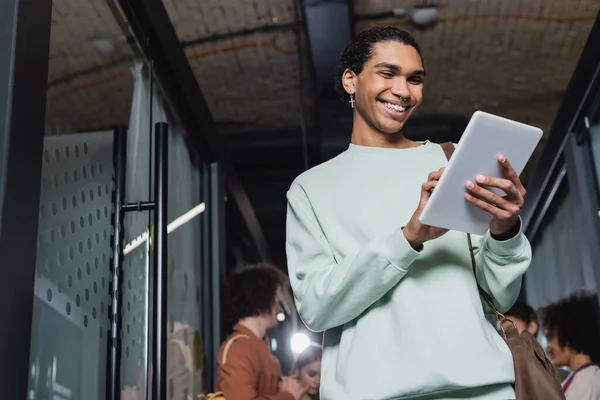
[{"x": 397, "y": 299}]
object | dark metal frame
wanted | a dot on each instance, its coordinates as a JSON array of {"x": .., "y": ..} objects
[
  {"x": 213, "y": 269},
  {"x": 583, "y": 187},
  {"x": 568, "y": 155},
  {"x": 160, "y": 260},
  {"x": 113, "y": 364},
  {"x": 24, "y": 47},
  {"x": 159, "y": 264},
  {"x": 568, "y": 114}
]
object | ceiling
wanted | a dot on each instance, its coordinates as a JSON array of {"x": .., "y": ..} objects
[
  {"x": 507, "y": 57},
  {"x": 251, "y": 61}
]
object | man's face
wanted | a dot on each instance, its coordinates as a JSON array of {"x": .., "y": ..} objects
[{"x": 390, "y": 87}]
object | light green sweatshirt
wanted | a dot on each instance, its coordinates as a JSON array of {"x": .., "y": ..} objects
[{"x": 400, "y": 324}]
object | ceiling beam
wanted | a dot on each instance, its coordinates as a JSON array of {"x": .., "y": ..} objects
[{"x": 330, "y": 19}]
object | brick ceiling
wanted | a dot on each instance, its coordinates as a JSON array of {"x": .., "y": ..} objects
[{"x": 511, "y": 57}]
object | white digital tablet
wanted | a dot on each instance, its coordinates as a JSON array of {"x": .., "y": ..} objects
[{"x": 485, "y": 138}]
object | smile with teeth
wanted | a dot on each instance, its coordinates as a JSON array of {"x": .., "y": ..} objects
[{"x": 394, "y": 107}]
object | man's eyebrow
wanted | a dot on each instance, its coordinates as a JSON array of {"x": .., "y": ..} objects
[
  {"x": 389, "y": 66},
  {"x": 397, "y": 68}
]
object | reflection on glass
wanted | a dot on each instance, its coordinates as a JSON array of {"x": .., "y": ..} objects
[
  {"x": 184, "y": 267},
  {"x": 184, "y": 213},
  {"x": 90, "y": 90},
  {"x": 89, "y": 79}
]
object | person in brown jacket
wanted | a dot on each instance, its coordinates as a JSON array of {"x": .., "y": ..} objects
[{"x": 246, "y": 368}]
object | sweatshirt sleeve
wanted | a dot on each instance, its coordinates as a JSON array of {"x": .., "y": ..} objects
[
  {"x": 330, "y": 292},
  {"x": 238, "y": 377},
  {"x": 500, "y": 267}
]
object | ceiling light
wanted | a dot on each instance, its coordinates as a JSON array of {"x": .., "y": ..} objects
[
  {"x": 426, "y": 15},
  {"x": 299, "y": 343},
  {"x": 104, "y": 46}
]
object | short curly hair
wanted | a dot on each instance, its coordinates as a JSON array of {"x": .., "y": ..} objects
[
  {"x": 575, "y": 322},
  {"x": 253, "y": 289},
  {"x": 360, "y": 50}
]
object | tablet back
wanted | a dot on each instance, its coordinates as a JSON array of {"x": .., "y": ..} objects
[{"x": 485, "y": 138}]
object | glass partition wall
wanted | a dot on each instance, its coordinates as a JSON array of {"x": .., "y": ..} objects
[
  {"x": 94, "y": 311},
  {"x": 89, "y": 93}
]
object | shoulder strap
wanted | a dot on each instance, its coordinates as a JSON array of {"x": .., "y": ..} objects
[
  {"x": 448, "y": 148},
  {"x": 228, "y": 345}
]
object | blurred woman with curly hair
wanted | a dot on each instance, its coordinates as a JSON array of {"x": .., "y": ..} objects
[{"x": 573, "y": 331}]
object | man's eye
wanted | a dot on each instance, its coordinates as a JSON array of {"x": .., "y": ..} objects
[{"x": 387, "y": 74}]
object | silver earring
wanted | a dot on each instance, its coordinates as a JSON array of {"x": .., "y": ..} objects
[{"x": 351, "y": 100}]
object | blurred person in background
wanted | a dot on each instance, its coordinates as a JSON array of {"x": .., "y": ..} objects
[
  {"x": 524, "y": 317},
  {"x": 307, "y": 370},
  {"x": 246, "y": 368},
  {"x": 572, "y": 328}
]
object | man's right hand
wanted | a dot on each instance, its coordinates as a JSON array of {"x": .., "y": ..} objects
[
  {"x": 415, "y": 232},
  {"x": 293, "y": 387}
]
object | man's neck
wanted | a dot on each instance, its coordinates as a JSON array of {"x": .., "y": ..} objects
[
  {"x": 578, "y": 361},
  {"x": 255, "y": 325},
  {"x": 365, "y": 135}
]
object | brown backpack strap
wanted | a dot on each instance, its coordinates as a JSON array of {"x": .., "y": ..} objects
[
  {"x": 448, "y": 148},
  {"x": 228, "y": 345}
]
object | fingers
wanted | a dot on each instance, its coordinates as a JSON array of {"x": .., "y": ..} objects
[
  {"x": 505, "y": 184},
  {"x": 511, "y": 175},
  {"x": 429, "y": 186},
  {"x": 497, "y": 212},
  {"x": 435, "y": 175},
  {"x": 513, "y": 202}
]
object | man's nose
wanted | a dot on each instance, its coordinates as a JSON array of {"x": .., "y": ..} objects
[{"x": 400, "y": 88}]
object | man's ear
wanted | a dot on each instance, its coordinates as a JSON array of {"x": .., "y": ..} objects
[{"x": 349, "y": 81}]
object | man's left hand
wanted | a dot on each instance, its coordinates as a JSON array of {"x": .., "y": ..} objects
[{"x": 504, "y": 209}]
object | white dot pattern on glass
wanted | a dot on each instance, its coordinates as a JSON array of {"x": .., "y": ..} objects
[
  {"x": 133, "y": 306},
  {"x": 69, "y": 240}
]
